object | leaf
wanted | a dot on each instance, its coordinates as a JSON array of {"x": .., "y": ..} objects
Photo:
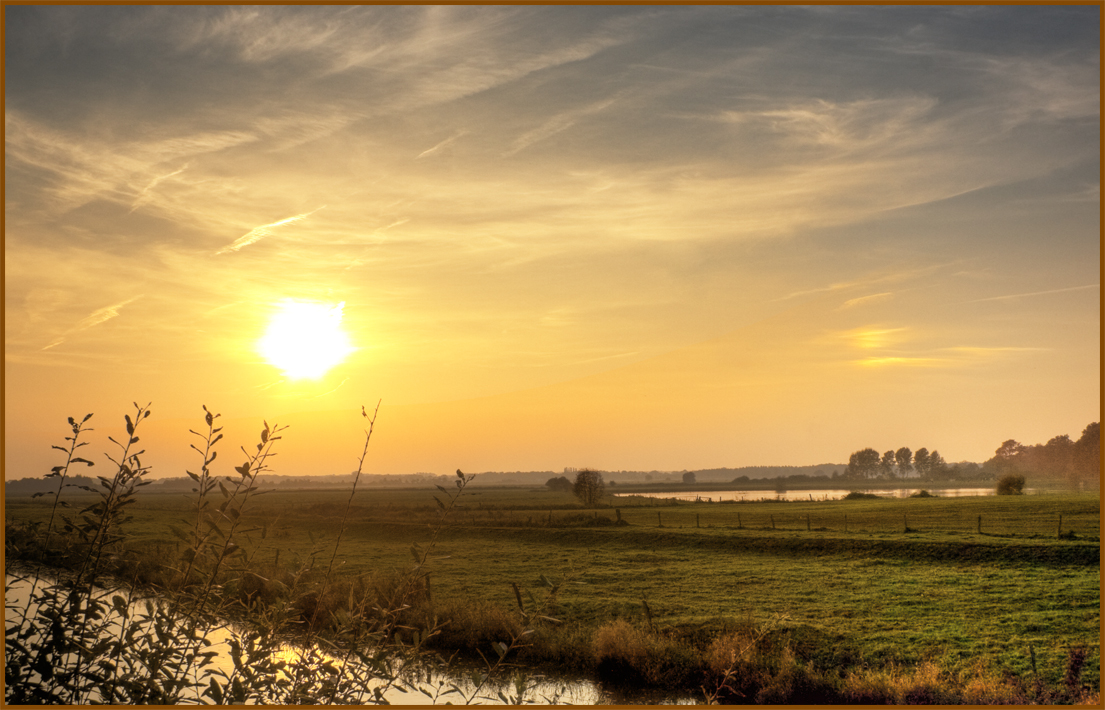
[
  {"x": 243, "y": 469},
  {"x": 59, "y": 448},
  {"x": 460, "y": 475},
  {"x": 130, "y": 425},
  {"x": 193, "y": 476},
  {"x": 78, "y": 459},
  {"x": 72, "y": 422},
  {"x": 223, "y": 490},
  {"x": 86, "y": 417},
  {"x": 208, "y": 418}
]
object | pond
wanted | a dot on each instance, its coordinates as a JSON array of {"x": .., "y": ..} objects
[
  {"x": 423, "y": 686},
  {"x": 819, "y": 494}
]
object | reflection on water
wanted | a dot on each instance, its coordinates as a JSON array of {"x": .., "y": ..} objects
[
  {"x": 819, "y": 494},
  {"x": 425, "y": 685}
]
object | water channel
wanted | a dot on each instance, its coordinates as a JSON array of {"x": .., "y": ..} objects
[{"x": 424, "y": 687}]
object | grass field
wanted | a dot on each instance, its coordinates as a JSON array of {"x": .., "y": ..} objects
[{"x": 879, "y": 582}]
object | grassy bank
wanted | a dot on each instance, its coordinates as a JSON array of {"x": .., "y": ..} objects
[{"x": 856, "y": 597}]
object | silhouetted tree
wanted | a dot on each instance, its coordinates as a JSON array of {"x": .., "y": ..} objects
[
  {"x": 589, "y": 487},
  {"x": 559, "y": 483},
  {"x": 886, "y": 466},
  {"x": 1086, "y": 458},
  {"x": 1006, "y": 456},
  {"x": 937, "y": 466},
  {"x": 688, "y": 477},
  {"x": 903, "y": 456},
  {"x": 921, "y": 461},
  {"x": 864, "y": 464}
]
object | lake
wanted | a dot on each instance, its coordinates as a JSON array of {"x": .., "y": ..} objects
[{"x": 818, "y": 494}]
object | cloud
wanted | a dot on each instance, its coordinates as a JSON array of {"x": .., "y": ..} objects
[
  {"x": 95, "y": 318},
  {"x": 865, "y": 300},
  {"x": 556, "y": 124},
  {"x": 1034, "y": 293},
  {"x": 144, "y": 196},
  {"x": 439, "y": 146},
  {"x": 265, "y": 230}
]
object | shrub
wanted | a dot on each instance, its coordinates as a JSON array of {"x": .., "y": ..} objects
[
  {"x": 856, "y": 495},
  {"x": 1011, "y": 484}
]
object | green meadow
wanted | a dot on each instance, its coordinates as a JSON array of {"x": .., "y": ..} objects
[{"x": 980, "y": 585}]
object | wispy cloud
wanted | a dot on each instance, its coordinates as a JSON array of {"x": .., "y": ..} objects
[
  {"x": 95, "y": 318},
  {"x": 554, "y": 125},
  {"x": 442, "y": 144},
  {"x": 265, "y": 230},
  {"x": 1015, "y": 296},
  {"x": 144, "y": 196},
  {"x": 863, "y": 300}
]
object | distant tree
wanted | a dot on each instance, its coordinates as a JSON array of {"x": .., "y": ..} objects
[
  {"x": 1058, "y": 457},
  {"x": 589, "y": 487},
  {"x": 688, "y": 477},
  {"x": 1011, "y": 484},
  {"x": 1086, "y": 458},
  {"x": 864, "y": 464},
  {"x": 921, "y": 461},
  {"x": 903, "y": 456},
  {"x": 937, "y": 467},
  {"x": 886, "y": 465},
  {"x": 559, "y": 483},
  {"x": 1010, "y": 457}
]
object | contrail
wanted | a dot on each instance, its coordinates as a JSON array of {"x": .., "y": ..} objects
[{"x": 258, "y": 233}]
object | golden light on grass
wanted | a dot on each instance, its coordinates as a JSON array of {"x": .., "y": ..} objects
[{"x": 305, "y": 339}]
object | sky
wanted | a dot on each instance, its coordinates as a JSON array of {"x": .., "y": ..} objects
[{"x": 629, "y": 238}]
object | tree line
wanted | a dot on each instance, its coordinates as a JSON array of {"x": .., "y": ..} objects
[
  {"x": 1078, "y": 463},
  {"x": 900, "y": 463}
]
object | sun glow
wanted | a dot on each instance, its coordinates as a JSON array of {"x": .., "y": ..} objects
[{"x": 305, "y": 339}]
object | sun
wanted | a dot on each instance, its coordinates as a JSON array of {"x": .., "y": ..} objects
[{"x": 305, "y": 339}]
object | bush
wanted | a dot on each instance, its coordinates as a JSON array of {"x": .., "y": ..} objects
[
  {"x": 856, "y": 495},
  {"x": 1010, "y": 485}
]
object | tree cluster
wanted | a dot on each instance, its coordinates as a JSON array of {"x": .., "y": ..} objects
[
  {"x": 900, "y": 463},
  {"x": 1078, "y": 463}
]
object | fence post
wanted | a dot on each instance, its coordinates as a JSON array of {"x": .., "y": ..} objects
[
  {"x": 659, "y": 520},
  {"x": 618, "y": 512},
  {"x": 739, "y": 526},
  {"x": 807, "y": 522},
  {"x": 772, "y": 522},
  {"x": 1060, "y": 526},
  {"x": 980, "y": 525},
  {"x": 845, "y": 522}
]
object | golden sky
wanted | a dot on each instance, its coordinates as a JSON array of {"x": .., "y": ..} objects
[{"x": 618, "y": 237}]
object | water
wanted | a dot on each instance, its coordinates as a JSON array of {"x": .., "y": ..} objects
[
  {"x": 423, "y": 687},
  {"x": 819, "y": 494}
]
